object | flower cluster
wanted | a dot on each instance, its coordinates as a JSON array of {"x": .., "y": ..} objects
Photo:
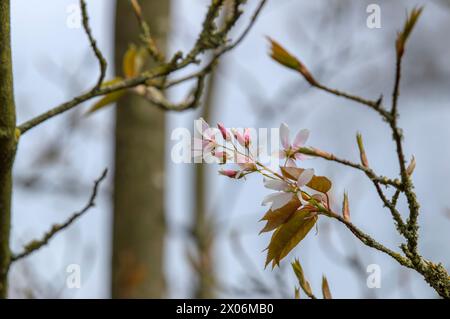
[{"x": 299, "y": 194}]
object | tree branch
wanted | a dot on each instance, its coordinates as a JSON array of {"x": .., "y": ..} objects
[
  {"x": 367, "y": 170},
  {"x": 209, "y": 39},
  {"x": 39, "y": 243}
]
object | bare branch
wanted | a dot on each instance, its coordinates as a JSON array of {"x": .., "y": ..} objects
[
  {"x": 39, "y": 243},
  {"x": 93, "y": 42},
  {"x": 209, "y": 39}
]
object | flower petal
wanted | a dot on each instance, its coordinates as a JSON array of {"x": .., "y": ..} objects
[
  {"x": 281, "y": 200},
  {"x": 300, "y": 156},
  {"x": 269, "y": 198},
  {"x": 291, "y": 163},
  {"x": 305, "y": 177},
  {"x": 300, "y": 138},
  {"x": 284, "y": 135},
  {"x": 201, "y": 125},
  {"x": 275, "y": 184}
]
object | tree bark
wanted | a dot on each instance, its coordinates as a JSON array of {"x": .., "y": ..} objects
[
  {"x": 7, "y": 143},
  {"x": 139, "y": 218},
  {"x": 202, "y": 223}
]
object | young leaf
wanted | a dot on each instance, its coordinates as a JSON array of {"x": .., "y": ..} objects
[
  {"x": 129, "y": 62},
  {"x": 326, "y": 289},
  {"x": 289, "y": 235},
  {"x": 106, "y": 100},
  {"x": 133, "y": 61},
  {"x": 403, "y": 36},
  {"x": 279, "y": 216},
  {"x": 318, "y": 183}
]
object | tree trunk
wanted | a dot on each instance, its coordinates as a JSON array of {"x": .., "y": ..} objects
[
  {"x": 202, "y": 223},
  {"x": 7, "y": 143},
  {"x": 139, "y": 219}
]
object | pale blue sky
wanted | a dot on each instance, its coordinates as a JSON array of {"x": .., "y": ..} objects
[{"x": 53, "y": 63}]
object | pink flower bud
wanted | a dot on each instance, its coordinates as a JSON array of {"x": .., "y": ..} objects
[
  {"x": 247, "y": 137},
  {"x": 239, "y": 137},
  {"x": 222, "y": 156},
  {"x": 225, "y": 134},
  {"x": 228, "y": 172}
]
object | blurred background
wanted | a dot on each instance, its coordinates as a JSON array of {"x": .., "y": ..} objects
[{"x": 181, "y": 230}]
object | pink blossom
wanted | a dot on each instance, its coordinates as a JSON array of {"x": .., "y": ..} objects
[{"x": 290, "y": 151}]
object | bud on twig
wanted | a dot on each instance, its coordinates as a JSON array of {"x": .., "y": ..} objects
[
  {"x": 279, "y": 54},
  {"x": 411, "y": 166},
  {"x": 346, "y": 208},
  {"x": 403, "y": 36},
  {"x": 362, "y": 152}
]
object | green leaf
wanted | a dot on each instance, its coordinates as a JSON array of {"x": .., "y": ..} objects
[{"x": 289, "y": 235}]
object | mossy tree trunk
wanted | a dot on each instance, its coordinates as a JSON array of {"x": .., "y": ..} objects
[
  {"x": 7, "y": 143},
  {"x": 139, "y": 217}
]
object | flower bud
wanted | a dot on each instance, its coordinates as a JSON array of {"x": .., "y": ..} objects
[
  {"x": 228, "y": 172},
  {"x": 225, "y": 134}
]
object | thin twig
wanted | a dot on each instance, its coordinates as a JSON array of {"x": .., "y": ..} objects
[
  {"x": 101, "y": 59},
  {"x": 146, "y": 37},
  {"x": 367, "y": 170},
  {"x": 368, "y": 240},
  {"x": 374, "y": 105},
  {"x": 39, "y": 243}
]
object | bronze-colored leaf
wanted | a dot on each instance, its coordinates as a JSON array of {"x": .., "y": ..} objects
[
  {"x": 326, "y": 289},
  {"x": 279, "y": 216},
  {"x": 318, "y": 183},
  {"x": 289, "y": 235}
]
